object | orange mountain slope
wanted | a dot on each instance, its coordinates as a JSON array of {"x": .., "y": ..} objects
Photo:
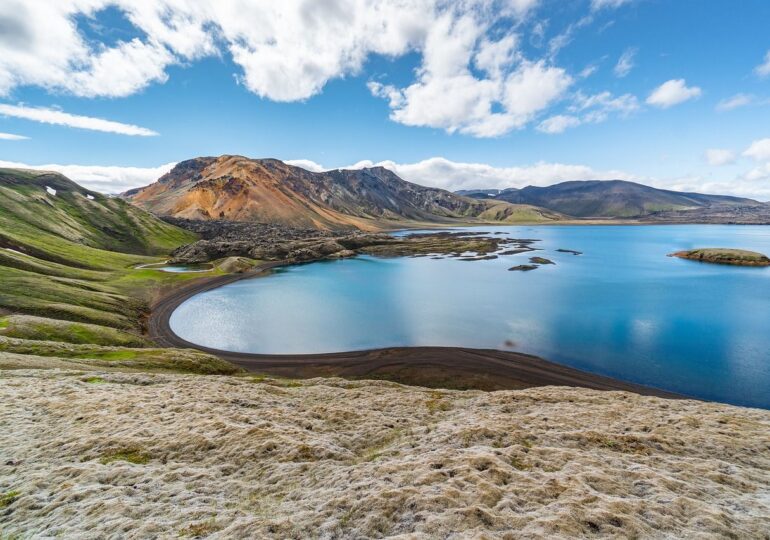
[{"x": 268, "y": 190}]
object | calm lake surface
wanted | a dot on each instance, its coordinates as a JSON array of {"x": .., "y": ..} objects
[{"x": 621, "y": 309}]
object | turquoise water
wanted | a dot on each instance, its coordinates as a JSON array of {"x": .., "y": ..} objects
[{"x": 621, "y": 309}]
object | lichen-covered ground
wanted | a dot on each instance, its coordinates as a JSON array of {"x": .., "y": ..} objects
[{"x": 94, "y": 455}]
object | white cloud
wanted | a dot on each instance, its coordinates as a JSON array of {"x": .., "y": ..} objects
[
  {"x": 307, "y": 164},
  {"x": 738, "y": 100},
  {"x": 12, "y": 137},
  {"x": 591, "y": 109},
  {"x": 56, "y": 56},
  {"x": 57, "y": 117},
  {"x": 601, "y": 4},
  {"x": 105, "y": 179},
  {"x": 507, "y": 94},
  {"x": 288, "y": 51},
  {"x": 759, "y": 173},
  {"x": 451, "y": 175},
  {"x": 558, "y": 123},
  {"x": 672, "y": 93},
  {"x": 759, "y": 150},
  {"x": 763, "y": 70},
  {"x": 587, "y": 71},
  {"x": 625, "y": 62},
  {"x": 598, "y": 107},
  {"x": 719, "y": 156}
]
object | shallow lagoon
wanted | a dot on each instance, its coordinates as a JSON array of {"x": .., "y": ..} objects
[{"x": 622, "y": 309}]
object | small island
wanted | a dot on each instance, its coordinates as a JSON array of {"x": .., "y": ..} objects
[{"x": 739, "y": 257}]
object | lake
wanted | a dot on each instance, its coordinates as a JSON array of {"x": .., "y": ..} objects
[{"x": 622, "y": 308}]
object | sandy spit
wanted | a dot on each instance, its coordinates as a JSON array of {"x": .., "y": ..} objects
[{"x": 117, "y": 455}]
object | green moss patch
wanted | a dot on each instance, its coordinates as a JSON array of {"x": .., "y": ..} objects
[
  {"x": 8, "y": 498},
  {"x": 130, "y": 455},
  {"x": 44, "y": 329}
]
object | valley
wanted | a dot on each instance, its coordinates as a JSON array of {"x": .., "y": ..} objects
[{"x": 100, "y": 389}]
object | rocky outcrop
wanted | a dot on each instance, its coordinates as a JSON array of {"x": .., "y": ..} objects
[
  {"x": 94, "y": 455},
  {"x": 276, "y": 243},
  {"x": 737, "y": 257}
]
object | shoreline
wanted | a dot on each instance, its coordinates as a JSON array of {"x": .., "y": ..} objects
[{"x": 439, "y": 367}]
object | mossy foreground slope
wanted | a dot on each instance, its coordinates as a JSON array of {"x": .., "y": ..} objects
[
  {"x": 67, "y": 258},
  {"x": 95, "y": 455}
]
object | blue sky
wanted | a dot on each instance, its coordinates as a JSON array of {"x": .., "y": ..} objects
[{"x": 503, "y": 93}]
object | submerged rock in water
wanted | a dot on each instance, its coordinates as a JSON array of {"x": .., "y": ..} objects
[
  {"x": 540, "y": 260},
  {"x": 570, "y": 251},
  {"x": 516, "y": 251},
  {"x": 523, "y": 267},
  {"x": 479, "y": 258}
]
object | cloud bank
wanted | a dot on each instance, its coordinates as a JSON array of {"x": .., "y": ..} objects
[
  {"x": 451, "y": 175},
  {"x": 102, "y": 178}
]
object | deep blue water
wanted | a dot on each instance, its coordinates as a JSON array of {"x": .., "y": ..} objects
[{"x": 621, "y": 309}]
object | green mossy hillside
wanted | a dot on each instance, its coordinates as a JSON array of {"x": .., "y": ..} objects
[
  {"x": 39, "y": 207},
  {"x": 70, "y": 294}
]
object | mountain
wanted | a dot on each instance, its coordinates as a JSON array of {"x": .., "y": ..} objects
[
  {"x": 72, "y": 296},
  {"x": 37, "y": 208},
  {"x": 270, "y": 191},
  {"x": 61, "y": 246},
  {"x": 614, "y": 199}
]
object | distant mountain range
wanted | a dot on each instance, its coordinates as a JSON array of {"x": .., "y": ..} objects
[
  {"x": 268, "y": 190},
  {"x": 613, "y": 199}
]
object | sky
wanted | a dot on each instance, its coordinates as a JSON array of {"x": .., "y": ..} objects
[{"x": 453, "y": 94}]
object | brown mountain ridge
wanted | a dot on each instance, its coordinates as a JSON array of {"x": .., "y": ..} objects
[{"x": 270, "y": 191}]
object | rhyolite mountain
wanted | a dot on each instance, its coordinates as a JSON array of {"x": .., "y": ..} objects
[
  {"x": 612, "y": 199},
  {"x": 270, "y": 191}
]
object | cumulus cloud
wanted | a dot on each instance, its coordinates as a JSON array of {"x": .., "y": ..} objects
[
  {"x": 56, "y": 56},
  {"x": 471, "y": 84},
  {"x": 734, "y": 102},
  {"x": 672, "y": 93},
  {"x": 625, "y": 63},
  {"x": 105, "y": 179},
  {"x": 759, "y": 150},
  {"x": 763, "y": 70},
  {"x": 61, "y": 118},
  {"x": 288, "y": 51},
  {"x": 719, "y": 156},
  {"x": 12, "y": 137}
]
